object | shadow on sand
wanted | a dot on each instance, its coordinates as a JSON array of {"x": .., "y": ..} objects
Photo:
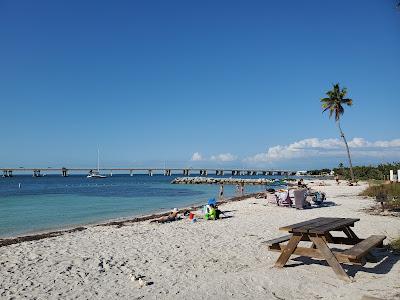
[{"x": 386, "y": 260}]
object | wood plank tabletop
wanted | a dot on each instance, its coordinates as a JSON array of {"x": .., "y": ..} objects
[{"x": 319, "y": 225}]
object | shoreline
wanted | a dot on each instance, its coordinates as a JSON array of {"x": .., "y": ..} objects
[{"x": 119, "y": 222}]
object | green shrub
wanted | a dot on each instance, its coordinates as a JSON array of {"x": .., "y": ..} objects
[
  {"x": 368, "y": 172},
  {"x": 392, "y": 190},
  {"x": 395, "y": 245}
]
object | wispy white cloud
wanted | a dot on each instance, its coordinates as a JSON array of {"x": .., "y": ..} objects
[
  {"x": 315, "y": 147},
  {"x": 196, "y": 157},
  {"x": 224, "y": 157}
]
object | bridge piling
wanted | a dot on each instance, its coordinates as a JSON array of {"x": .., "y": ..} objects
[
  {"x": 219, "y": 172},
  {"x": 7, "y": 173}
]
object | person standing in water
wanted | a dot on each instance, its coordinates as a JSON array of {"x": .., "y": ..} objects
[
  {"x": 221, "y": 192},
  {"x": 238, "y": 190}
]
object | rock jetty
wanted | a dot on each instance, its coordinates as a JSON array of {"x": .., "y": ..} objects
[{"x": 230, "y": 180}]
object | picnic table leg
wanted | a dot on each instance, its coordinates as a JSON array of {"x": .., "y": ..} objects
[
  {"x": 330, "y": 257},
  {"x": 351, "y": 235},
  {"x": 328, "y": 238},
  {"x": 288, "y": 250}
]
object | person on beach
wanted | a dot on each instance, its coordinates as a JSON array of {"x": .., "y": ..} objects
[
  {"x": 301, "y": 184},
  {"x": 237, "y": 189},
  {"x": 171, "y": 217},
  {"x": 337, "y": 179},
  {"x": 242, "y": 189},
  {"x": 221, "y": 192},
  {"x": 213, "y": 213}
]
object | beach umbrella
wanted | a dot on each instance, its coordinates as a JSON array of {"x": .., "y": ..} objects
[{"x": 212, "y": 201}]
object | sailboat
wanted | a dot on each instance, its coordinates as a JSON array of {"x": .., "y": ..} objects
[{"x": 96, "y": 174}]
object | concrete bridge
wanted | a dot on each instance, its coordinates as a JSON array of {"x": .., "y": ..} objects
[{"x": 38, "y": 172}]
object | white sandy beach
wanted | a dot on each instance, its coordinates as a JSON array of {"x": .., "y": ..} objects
[{"x": 183, "y": 260}]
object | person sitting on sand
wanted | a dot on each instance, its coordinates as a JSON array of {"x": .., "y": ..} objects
[
  {"x": 213, "y": 213},
  {"x": 171, "y": 217},
  {"x": 301, "y": 183}
]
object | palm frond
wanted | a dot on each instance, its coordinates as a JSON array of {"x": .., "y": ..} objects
[
  {"x": 330, "y": 112},
  {"x": 347, "y": 101},
  {"x": 338, "y": 112},
  {"x": 325, "y": 109}
]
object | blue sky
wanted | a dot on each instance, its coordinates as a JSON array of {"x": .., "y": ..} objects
[{"x": 196, "y": 83}]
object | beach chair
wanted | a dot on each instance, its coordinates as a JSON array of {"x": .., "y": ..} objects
[
  {"x": 300, "y": 198},
  {"x": 271, "y": 198},
  {"x": 316, "y": 197},
  {"x": 284, "y": 199},
  {"x": 291, "y": 193},
  {"x": 319, "y": 197}
]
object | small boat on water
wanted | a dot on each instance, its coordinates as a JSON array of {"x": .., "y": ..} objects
[{"x": 96, "y": 174}]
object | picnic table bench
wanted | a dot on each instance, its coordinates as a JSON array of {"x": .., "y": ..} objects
[{"x": 318, "y": 232}]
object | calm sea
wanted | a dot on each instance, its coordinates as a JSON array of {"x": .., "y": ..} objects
[{"x": 29, "y": 204}]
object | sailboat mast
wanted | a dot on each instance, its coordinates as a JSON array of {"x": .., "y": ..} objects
[{"x": 98, "y": 160}]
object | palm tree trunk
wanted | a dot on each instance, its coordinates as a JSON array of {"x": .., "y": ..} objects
[{"x": 348, "y": 152}]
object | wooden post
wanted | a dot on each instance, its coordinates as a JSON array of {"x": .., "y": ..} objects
[{"x": 381, "y": 197}]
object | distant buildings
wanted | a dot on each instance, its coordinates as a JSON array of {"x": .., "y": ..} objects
[
  {"x": 323, "y": 172},
  {"x": 301, "y": 173}
]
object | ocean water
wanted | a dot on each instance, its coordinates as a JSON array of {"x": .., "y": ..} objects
[{"x": 29, "y": 205}]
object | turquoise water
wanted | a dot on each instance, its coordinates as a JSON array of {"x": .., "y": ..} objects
[{"x": 54, "y": 202}]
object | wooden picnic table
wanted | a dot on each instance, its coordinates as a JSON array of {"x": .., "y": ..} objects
[{"x": 318, "y": 232}]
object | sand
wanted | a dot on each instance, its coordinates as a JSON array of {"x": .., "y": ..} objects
[{"x": 183, "y": 260}]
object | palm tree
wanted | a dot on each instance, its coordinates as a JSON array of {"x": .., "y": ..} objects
[{"x": 334, "y": 103}]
